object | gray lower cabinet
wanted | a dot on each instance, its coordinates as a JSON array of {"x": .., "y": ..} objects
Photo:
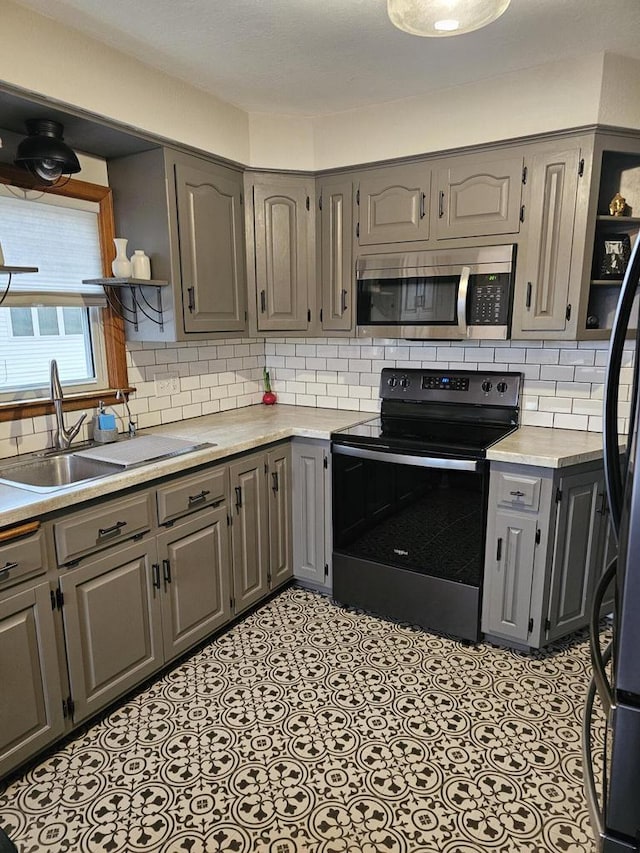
[
  {"x": 112, "y": 624},
  {"x": 312, "y": 513},
  {"x": 548, "y": 539},
  {"x": 261, "y": 524},
  {"x": 195, "y": 593},
  {"x": 31, "y": 715},
  {"x": 249, "y": 530},
  {"x": 280, "y": 536}
]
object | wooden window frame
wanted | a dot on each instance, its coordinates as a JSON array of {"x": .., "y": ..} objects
[{"x": 113, "y": 325}]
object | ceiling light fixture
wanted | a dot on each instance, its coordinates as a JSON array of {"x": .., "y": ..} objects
[
  {"x": 44, "y": 153},
  {"x": 438, "y": 18}
]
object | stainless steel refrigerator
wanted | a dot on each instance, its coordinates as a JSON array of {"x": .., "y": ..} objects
[{"x": 614, "y": 806}]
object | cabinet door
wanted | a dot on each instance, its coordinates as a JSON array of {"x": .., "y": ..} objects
[
  {"x": 212, "y": 258},
  {"x": 477, "y": 198},
  {"x": 112, "y": 625},
  {"x": 394, "y": 205},
  {"x": 508, "y": 576},
  {"x": 336, "y": 258},
  {"x": 283, "y": 253},
  {"x": 195, "y": 564},
  {"x": 31, "y": 699},
  {"x": 309, "y": 558},
  {"x": 576, "y": 552},
  {"x": 280, "y": 537},
  {"x": 545, "y": 269},
  {"x": 249, "y": 530}
]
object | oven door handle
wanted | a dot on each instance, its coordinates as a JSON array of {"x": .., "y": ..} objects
[
  {"x": 404, "y": 459},
  {"x": 463, "y": 290}
]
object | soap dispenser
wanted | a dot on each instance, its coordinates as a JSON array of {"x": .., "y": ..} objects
[{"x": 104, "y": 426}]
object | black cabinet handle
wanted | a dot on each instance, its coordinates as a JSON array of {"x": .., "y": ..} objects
[
  {"x": 263, "y": 301},
  {"x": 603, "y": 504},
  {"x": 4, "y": 571},
  {"x": 115, "y": 530},
  {"x": 529, "y": 291},
  {"x": 191, "y": 295},
  {"x": 517, "y": 494},
  {"x": 499, "y": 550},
  {"x": 343, "y": 303},
  {"x": 166, "y": 571},
  {"x": 422, "y": 205},
  {"x": 238, "y": 498},
  {"x": 196, "y": 499},
  {"x": 440, "y": 204},
  {"x": 156, "y": 575},
  {"x": 274, "y": 476}
]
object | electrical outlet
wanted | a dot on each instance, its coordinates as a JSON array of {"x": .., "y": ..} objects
[{"x": 167, "y": 385}]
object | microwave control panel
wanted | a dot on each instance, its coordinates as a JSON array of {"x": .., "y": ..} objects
[{"x": 489, "y": 299}]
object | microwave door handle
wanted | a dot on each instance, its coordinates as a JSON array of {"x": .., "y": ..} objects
[{"x": 463, "y": 290}]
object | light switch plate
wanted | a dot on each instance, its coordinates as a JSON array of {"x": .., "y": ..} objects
[{"x": 167, "y": 385}]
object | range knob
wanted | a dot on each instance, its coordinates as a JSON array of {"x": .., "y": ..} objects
[
  {"x": 486, "y": 386},
  {"x": 405, "y": 382},
  {"x": 392, "y": 382},
  {"x": 502, "y": 387}
]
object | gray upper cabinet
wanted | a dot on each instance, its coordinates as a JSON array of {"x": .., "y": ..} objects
[
  {"x": 282, "y": 247},
  {"x": 544, "y": 267},
  {"x": 186, "y": 213},
  {"x": 477, "y": 197},
  {"x": 337, "y": 277},
  {"x": 31, "y": 699},
  {"x": 393, "y": 205},
  {"x": 212, "y": 255}
]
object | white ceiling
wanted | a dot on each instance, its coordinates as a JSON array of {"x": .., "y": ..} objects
[{"x": 314, "y": 57}]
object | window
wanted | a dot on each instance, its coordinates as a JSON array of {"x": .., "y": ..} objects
[{"x": 67, "y": 233}]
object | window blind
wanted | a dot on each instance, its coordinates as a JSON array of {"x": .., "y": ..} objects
[{"x": 59, "y": 236}]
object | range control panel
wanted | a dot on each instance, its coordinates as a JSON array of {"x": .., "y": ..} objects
[{"x": 467, "y": 387}]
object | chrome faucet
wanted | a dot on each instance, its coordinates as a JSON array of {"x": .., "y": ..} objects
[
  {"x": 131, "y": 426},
  {"x": 63, "y": 436}
]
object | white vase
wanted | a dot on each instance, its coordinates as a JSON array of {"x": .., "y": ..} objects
[
  {"x": 140, "y": 265},
  {"x": 121, "y": 265}
]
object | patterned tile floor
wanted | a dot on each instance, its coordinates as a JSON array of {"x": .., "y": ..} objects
[{"x": 312, "y": 729}]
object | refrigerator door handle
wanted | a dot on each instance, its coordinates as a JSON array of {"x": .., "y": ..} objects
[
  {"x": 599, "y": 659},
  {"x": 610, "y": 422},
  {"x": 590, "y": 791}
]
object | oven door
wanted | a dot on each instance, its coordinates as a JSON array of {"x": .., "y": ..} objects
[{"x": 409, "y": 536}]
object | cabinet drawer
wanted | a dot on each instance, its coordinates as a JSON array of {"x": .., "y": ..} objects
[
  {"x": 23, "y": 558},
  {"x": 100, "y": 527},
  {"x": 520, "y": 492},
  {"x": 189, "y": 494}
]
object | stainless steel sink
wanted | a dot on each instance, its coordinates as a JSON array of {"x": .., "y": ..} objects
[{"x": 49, "y": 473}]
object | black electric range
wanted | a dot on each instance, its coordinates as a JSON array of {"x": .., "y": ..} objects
[{"x": 410, "y": 494}]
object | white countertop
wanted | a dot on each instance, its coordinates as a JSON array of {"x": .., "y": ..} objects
[
  {"x": 547, "y": 448},
  {"x": 246, "y": 429},
  {"x": 232, "y": 432}
]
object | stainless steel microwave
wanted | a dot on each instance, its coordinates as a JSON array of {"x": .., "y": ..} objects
[{"x": 451, "y": 294}]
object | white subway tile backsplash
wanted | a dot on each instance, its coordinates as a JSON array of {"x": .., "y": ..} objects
[
  {"x": 563, "y": 384},
  {"x": 557, "y": 372},
  {"x": 570, "y": 421}
]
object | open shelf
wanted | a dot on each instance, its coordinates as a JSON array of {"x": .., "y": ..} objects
[
  {"x": 138, "y": 304},
  {"x": 17, "y": 270}
]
